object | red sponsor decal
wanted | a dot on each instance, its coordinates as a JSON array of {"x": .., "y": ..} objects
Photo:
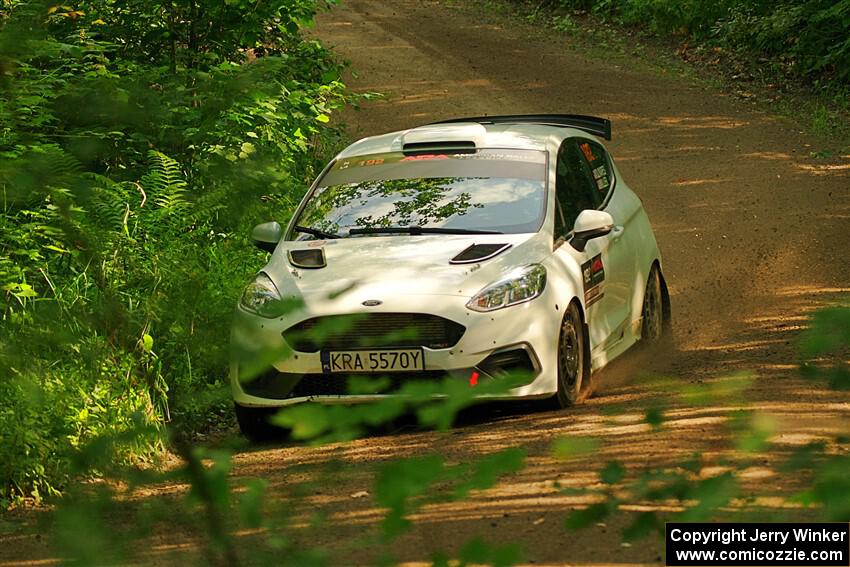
[
  {"x": 597, "y": 266},
  {"x": 588, "y": 153},
  {"x": 425, "y": 156}
]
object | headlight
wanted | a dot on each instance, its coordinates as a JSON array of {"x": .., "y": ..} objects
[
  {"x": 525, "y": 285},
  {"x": 261, "y": 297}
]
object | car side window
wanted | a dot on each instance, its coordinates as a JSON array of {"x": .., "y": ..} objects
[
  {"x": 575, "y": 188},
  {"x": 599, "y": 165}
]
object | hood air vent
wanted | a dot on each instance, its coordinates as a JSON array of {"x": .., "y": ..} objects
[
  {"x": 479, "y": 253},
  {"x": 309, "y": 259}
]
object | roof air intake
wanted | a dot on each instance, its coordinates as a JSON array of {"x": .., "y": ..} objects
[{"x": 439, "y": 147}]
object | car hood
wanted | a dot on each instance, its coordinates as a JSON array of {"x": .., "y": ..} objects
[{"x": 382, "y": 267}]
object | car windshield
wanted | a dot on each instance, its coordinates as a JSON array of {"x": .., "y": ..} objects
[{"x": 488, "y": 191}]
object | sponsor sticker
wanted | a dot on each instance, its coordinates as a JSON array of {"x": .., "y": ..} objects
[
  {"x": 593, "y": 276},
  {"x": 588, "y": 152}
]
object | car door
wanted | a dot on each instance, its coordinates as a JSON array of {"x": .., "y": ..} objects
[{"x": 584, "y": 180}]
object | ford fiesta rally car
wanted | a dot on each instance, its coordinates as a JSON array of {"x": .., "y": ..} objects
[{"x": 471, "y": 248}]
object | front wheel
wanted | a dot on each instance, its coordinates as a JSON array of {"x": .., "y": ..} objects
[
  {"x": 652, "y": 316},
  {"x": 254, "y": 424},
  {"x": 573, "y": 375}
]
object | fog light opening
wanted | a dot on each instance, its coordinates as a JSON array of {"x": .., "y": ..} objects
[{"x": 511, "y": 362}]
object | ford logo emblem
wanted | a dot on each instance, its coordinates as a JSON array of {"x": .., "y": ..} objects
[{"x": 372, "y": 302}]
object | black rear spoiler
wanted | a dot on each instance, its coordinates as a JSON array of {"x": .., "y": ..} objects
[{"x": 590, "y": 124}]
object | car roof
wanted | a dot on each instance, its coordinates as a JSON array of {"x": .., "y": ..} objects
[{"x": 514, "y": 136}]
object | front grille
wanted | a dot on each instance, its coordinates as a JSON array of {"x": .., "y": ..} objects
[
  {"x": 340, "y": 332},
  {"x": 276, "y": 385}
]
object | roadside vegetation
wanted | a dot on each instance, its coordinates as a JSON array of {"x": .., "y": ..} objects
[
  {"x": 792, "y": 56},
  {"x": 139, "y": 142}
]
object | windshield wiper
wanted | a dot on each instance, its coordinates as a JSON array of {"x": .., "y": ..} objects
[
  {"x": 416, "y": 230},
  {"x": 315, "y": 232}
]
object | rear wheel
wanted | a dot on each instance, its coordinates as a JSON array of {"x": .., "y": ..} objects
[
  {"x": 652, "y": 317},
  {"x": 573, "y": 379},
  {"x": 254, "y": 424}
]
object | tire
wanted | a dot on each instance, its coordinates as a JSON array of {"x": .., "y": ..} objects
[
  {"x": 573, "y": 374},
  {"x": 653, "y": 324},
  {"x": 254, "y": 424}
]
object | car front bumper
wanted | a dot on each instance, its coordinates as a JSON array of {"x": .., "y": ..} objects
[{"x": 266, "y": 371}]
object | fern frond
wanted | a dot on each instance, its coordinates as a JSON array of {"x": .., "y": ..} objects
[
  {"x": 109, "y": 203},
  {"x": 165, "y": 183}
]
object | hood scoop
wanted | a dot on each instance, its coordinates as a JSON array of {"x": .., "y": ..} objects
[
  {"x": 479, "y": 253},
  {"x": 310, "y": 259}
]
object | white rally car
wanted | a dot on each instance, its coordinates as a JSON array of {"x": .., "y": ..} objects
[{"x": 470, "y": 248}]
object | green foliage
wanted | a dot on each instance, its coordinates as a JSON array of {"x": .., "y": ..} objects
[
  {"x": 810, "y": 37},
  {"x": 138, "y": 142},
  {"x": 478, "y": 552},
  {"x": 564, "y": 24},
  {"x": 612, "y": 473},
  {"x": 825, "y": 346},
  {"x": 399, "y": 482},
  {"x": 830, "y": 489},
  {"x": 569, "y": 447},
  {"x": 802, "y": 38},
  {"x": 586, "y": 517}
]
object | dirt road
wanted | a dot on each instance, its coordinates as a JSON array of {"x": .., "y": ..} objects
[{"x": 754, "y": 234}]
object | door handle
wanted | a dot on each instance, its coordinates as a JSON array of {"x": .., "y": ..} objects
[{"x": 617, "y": 232}]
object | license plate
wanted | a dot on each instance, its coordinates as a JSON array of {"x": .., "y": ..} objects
[{"x": 384, "y": 360}]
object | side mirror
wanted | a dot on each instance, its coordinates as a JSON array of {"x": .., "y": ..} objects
[
  {"x": 590, "y": 224},
  {"x": 267, "y": 235}
]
